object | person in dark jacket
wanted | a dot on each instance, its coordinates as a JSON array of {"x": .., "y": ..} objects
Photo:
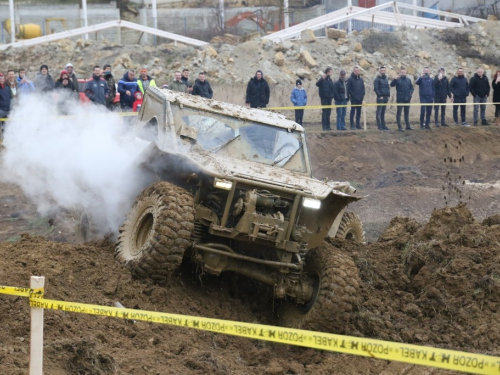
[
  {"x": 299, "y": 99},
  {"x": 341, "y": 97},
  {"x": 72, "y": 76},
  {"x": 479, "y": 86},
  {"x": 5, "y": 102},
  {"x": 96, "y": 88},
  {"x": 356, "y": 92},
  {"x": 404, "y": 92},
  {"x": 459, "y": 87},
  {"x": 202, "y": 87},
  {"x": 64, "y": 83},
  {"x": 325, "y": 85},
  {"x": 110, "y": 80},
  {"x": 43, "y": 81},
  {"x": 127, "y": 86},
  {"x": 495, "y": 85},
  {"x": 258, "y": 92},
  {"x": 185, "y": 79},
  {"x": 426, "y": 93},
  {"x": 441, "y": 91},
  {"x": 382, "y": 89}
]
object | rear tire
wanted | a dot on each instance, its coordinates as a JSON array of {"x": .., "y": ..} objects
[
  {"x": 157, "y": 231},
  {"x": 351, "y": 228},
  {"x": 336, "y": 286}
]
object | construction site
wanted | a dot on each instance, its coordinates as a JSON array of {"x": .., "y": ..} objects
[{"x": 210, "y": 209}]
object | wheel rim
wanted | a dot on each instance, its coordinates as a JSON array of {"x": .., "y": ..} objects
[
  {"x": 350, "y": 235},
  {"x": 142, "y": 231},
  {"x": 316, "y": 286}
]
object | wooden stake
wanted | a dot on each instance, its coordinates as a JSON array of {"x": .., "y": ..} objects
[{"x": 36, "y": 343}]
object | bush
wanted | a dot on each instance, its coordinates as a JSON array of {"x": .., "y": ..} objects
[{"x": 385, "y": 42}]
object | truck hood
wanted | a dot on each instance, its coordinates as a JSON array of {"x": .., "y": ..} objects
[{"x": 282, "y": 179}]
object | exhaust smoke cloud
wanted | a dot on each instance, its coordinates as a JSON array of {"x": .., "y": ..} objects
[{"x": 87, "y": 160}]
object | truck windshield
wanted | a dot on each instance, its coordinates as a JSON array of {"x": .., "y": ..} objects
[{"x": 243, "y": 139}]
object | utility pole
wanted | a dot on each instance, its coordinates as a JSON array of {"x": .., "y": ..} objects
[
  {"x": 155, "y": 18},
  {"x": 287, "y": 15},
  {"x": 84, "y": 17},
  {"x": 221, "y": 15},
  {"x": 12, "y": 22},
  {"x": 349, "y": 23}
]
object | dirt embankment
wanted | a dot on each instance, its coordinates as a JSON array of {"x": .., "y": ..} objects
[{"x": 434, "y": 284}]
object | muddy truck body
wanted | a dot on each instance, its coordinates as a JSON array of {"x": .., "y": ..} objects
[{"x": 235, "y": 192}]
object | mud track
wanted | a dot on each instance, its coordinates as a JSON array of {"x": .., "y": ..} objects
[{"x": 428, "y": 279}]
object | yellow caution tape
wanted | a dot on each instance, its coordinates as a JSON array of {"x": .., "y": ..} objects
[
  {"x": 392, "y": 351},
  {"x": 21, "y": 292},
  {"x": 374, "y": 105},
  {"x": 421, "y": 355}
]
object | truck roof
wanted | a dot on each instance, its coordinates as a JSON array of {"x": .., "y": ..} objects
[{"x": 228, "y": 109}]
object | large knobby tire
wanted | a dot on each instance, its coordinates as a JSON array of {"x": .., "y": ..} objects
[
  {"x": 336, "y": 284},
  {"x": 157, "y": 232},
  {"x": 351, "y": 228}
]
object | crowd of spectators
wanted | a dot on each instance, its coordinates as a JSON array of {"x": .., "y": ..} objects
[{"x": 433, "y": 95}]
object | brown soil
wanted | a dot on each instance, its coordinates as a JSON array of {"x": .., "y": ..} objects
[{"x": 431, "y": 281}]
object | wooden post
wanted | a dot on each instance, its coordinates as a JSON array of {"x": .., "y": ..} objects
[
  {"x": 364, "y": 114},
  {"x": 36, "y": 343}
]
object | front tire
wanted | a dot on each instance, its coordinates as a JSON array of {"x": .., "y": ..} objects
[
  {"x": 157, "y": 232},
  {"x": 336, "y": 282},
  {"x": 351, "y": 228}
]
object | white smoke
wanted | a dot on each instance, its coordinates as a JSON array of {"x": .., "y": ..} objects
[{"x": 86, "y": 160}]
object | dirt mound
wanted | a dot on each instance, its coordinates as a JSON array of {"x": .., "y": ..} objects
[{"x": 436, "y": 284}]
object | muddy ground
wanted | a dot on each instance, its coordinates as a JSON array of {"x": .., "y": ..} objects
[{"x": 427, "y": 276}]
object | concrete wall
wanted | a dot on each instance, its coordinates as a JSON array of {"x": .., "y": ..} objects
[{"x": 37, "y": 14}]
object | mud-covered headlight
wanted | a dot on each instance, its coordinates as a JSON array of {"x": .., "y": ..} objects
[
  {"x": 223, "y": 184},
  {"x": 311, "y": 203}
]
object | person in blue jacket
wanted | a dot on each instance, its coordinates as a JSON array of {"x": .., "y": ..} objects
[
  {"x": 25, "y": 85},
  {"x": 426, "y": 93},
  {"x": 127, "y": 86},
  {"x": 299, "y": 99}
]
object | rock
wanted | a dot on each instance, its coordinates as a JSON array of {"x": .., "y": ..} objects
[
  {"x": 410, "y": 70},
  {"x": 230, "y": 60},
  {"x": 210, "y": 51},
  {"x": 364, "y": 64},
  {"x": 345, "y": 60},
  {"x": 283, "y": 46},
  {"x": 307, "y": 36},
  {"x": 279, "y": 59},
  {"x": 485, "y": 67},
  {"x": 423, "y": 54},
  {"x": 66, "y": 45},
  {"x": 251, "y": 37},
  {"x": 335, "y": 33},
  {"x": 308, "y": 59},
  {"x": 226, "y": 39},
  {"x": 342, "y": 50},
  {"x": 357, "y": 47},
  {"x": 342, "y": 41},
  {"x": 303, "y": 73},
  {"x": 377, "y": 53},
  {"x": 491, "y": 17}
]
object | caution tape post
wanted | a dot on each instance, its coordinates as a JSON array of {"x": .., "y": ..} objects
[{"x": 392, "y": 351}]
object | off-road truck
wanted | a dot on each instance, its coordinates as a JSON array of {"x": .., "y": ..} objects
[{"x": 235, "y": 192}]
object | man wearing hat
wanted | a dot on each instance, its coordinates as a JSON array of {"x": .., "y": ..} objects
[
  {"x": 441, "y": 91},
  {"x": 299, "y": 99},
  {"x": 340, "y": 96},
  {"x": 43, "y": 81},
  {"x": 144, "y": 80},
  {"x": 72, "y": 76}
]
